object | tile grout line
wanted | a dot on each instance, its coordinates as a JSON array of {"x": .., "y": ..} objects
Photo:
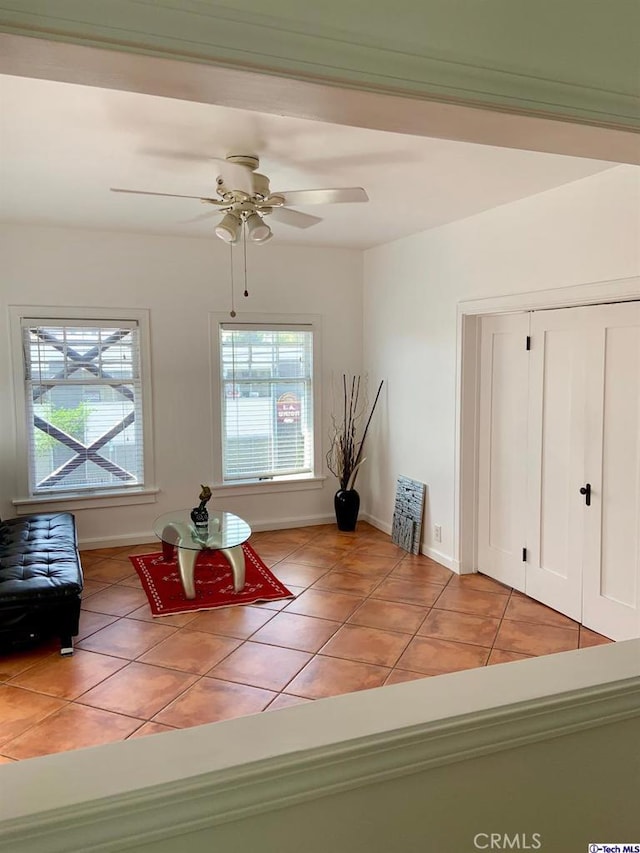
[{"x": 502, "y": 618}]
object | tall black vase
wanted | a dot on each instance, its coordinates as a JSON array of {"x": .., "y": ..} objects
[{"x": 347, "y": 504}]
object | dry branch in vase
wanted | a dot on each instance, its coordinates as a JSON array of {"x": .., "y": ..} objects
[{"x": 344, "y": 457}]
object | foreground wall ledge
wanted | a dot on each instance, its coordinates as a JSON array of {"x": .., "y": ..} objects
[{"x": 110, "y": 797}]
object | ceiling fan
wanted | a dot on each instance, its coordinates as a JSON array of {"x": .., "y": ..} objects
[{"x": 245, "y": 199}]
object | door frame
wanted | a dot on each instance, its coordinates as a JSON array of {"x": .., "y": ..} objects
[{"x": 469, "y": 313}]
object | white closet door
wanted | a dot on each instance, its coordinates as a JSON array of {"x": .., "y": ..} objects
[
  {"x": 557, "y": 401},
  {"x": 612, "y": 467},
  {"x": 504, "y": 369}
]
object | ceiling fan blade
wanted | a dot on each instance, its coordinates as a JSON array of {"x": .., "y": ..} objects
[
  {"x": 329, "y": 196},
  {"x": 235, "y": 175},
  {"x": 206, "y": 215},
  {"x": 167, "y": 154},
  {"x": 294, "y": 217},
  {"x": 214, "y": 201}
]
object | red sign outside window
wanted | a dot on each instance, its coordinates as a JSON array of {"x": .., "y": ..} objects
[{"x": 288, "y": 408}]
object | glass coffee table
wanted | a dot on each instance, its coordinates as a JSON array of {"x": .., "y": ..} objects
[{"x": 225, "y": 533}]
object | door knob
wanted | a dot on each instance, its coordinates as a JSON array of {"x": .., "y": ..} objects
[{"x": 586, "y": 491}]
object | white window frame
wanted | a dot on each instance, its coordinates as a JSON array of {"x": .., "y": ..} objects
[
  {"x": 26, "y": 502},
  {"x": 314, "y": 480}
]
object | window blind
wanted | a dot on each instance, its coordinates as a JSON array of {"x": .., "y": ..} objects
[
  {"x": 84, "y": 405},
  {"x": 266, "y": 374}
]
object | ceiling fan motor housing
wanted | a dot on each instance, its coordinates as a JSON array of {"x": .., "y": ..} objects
[
  {"x": 249, "y": 160},
  {"x": 259, "y": 183}
]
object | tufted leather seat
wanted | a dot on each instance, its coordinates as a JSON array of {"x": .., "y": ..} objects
[{"x": 40, "y": 578}]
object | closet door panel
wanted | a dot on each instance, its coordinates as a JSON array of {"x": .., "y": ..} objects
[
  {"x": 559, "y": 414},
  {"x": 612, "y": 534},
  {"x": 580, "y": 388},
  {"x": 503, "y": 448},
  {"x": 556, "y": 460}
]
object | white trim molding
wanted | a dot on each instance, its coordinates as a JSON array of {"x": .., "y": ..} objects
[
  {"x": 68, "y": 502},
  {"x": 268, "y": 487},
  {"x": 468, "y": 381},
  {"x": 588, "y": 293},
  {"x": 215, "y": 774},
  {"x": 297, "y": 521},
  {"x": 145, "y": 538}
]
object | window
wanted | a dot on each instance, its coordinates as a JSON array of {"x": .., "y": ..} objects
[
  {"x": 83, "y": 401},
  {"x": 266, "y": 401}
]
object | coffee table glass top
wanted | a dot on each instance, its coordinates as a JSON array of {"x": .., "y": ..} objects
[{"x": 225, "y": 530}]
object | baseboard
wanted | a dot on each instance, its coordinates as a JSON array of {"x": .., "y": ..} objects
[
  {"x": 132, "y": 539},
  {"x": 269, "y": 524},
  {"x": 436, "y": 556},
  {"x": 376, "y": 522},
  {"x": 148, "y": 538},
  {"x": 284, "y": 523}
]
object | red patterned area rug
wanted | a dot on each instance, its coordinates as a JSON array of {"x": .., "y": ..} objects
[{"x": 213, "y": 581}]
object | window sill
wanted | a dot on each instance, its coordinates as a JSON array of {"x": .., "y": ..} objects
[
  {"x": 267, "y": 487},
  {"x": 53, "y": 503}
]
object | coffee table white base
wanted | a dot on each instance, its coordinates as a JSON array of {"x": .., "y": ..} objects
[{"x": 187, "y": 559}]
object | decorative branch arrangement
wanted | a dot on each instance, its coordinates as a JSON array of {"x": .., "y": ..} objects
[{"x": 344, "y": 457}]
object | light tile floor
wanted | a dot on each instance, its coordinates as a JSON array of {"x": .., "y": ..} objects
[{"x": 366, "y": 614}]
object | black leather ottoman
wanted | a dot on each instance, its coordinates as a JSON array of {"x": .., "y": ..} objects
[{"x": 40, "y": 579}]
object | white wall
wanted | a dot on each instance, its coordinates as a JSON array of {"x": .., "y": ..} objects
[
  {"x": 179, "y": 281},
  {"x": 586, "y": 231}
]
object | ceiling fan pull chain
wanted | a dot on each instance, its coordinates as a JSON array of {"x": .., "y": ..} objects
[
  {"x": 244, "y": 247},
  {"x": 233, "y": 307}
]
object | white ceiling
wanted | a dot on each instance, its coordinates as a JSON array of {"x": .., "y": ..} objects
[{"x": 63, "y": 145}]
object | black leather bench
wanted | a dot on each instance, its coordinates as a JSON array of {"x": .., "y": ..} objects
[{"x": 40, "y": 580}]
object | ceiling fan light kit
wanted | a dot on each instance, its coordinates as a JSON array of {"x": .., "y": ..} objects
[
  {"x": 228, "y": 229},
  {"x": 257, "y": 229}
]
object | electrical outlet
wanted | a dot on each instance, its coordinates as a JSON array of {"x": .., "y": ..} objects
[{"x": 437, "y": 533}]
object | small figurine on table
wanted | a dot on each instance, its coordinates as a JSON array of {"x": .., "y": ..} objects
[{"x": 199, "y": 514}]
